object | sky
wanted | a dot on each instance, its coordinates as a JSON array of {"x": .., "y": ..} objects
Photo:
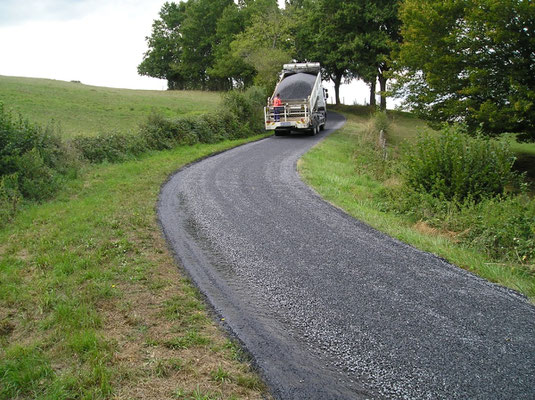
[{"x": 96, "y": 42}]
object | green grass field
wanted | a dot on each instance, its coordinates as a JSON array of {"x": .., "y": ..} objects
[
  {"x": 79, "y": 109},
  {"x": 339, "y": 172}
]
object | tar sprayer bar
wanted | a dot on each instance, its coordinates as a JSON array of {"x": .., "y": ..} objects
[{"x": 302, "y": 105}]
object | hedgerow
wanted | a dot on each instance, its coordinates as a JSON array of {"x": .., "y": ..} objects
[
  {"x": 239, "y": 117},
  {"x": 34, "y": 161}
]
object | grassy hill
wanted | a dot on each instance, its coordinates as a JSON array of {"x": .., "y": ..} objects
[{"x": 88, "y": 110}]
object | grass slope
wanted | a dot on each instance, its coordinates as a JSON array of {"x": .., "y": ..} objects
[
  {"x": 338, "y": 171},
  {"x": 88, "y": 110},
  {"x": 91, "y": 302}
]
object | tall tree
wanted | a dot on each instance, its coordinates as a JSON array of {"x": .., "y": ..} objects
[
  {"x": 163, "y": 58},
  {"x": 199, "y": 34},
  {"x": 325, "y": 32},
  {"x": 265, "y": 45},
  {"x": 226, "y": 64},
  {"x": 380, "y": 33},
  {"x": 233, "y": 22},
  {"x": 471, "y": 61}
]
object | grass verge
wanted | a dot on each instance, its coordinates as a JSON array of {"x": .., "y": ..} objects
[
  {"x": 91, "y": 302},
  {"x": 338, "y": 169}
]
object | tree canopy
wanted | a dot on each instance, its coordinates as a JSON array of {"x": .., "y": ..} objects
[
  {"x": 471, "y": 61},
  {"x": 453, "y": 60}
]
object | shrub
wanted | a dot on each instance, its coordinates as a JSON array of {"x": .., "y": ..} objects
[
  {"x": 503, "y": 227},
  {"x": 112, "y": 147},
  {"x": 247, "y": 107},
  {"x": 380, "y": 122},
  {"x": 455, "y": 166},
  {"x": 239, "y": 116},
  {"x": 32, "y": 158}
]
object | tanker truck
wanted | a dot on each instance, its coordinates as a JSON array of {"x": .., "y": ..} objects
[{"x": 303, "y": 101}]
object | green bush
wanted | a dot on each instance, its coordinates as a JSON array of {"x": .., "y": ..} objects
[
  {"x": 247, "y": 107},
  {"x": 503, "y": 227},
  {"x": 112, "y": 147},
  {"x": 380, "y": 122},
  {"x": 455, "y": 166},
  {"x": 33, "y": 157},
  {"x": 239, "y": 116}
]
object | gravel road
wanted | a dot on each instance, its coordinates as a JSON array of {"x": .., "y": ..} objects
[{"x": 328, "y": 307}]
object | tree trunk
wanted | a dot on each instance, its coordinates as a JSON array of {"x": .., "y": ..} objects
[
  {"x": 382, "y": 85},
  {"x": 337, "y": 80},
  {"x": 373, "y": 85}
]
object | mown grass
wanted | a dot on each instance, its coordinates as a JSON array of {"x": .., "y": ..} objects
[
  {"x": 91, "y": 302},
  {"x": 340, "y": 171},
  {"x": 80, "y": 109}
]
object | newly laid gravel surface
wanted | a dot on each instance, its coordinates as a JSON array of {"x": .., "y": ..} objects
[
  {"x": 296, "y": 87},
  {"x": 328, "y": 307}
]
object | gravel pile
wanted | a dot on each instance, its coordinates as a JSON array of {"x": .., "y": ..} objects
[{"x": 296, "y": 87}]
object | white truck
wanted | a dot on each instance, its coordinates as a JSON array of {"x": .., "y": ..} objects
[{"x": 304, "y": 105}]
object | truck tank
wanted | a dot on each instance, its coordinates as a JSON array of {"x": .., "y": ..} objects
[
  {"x": 296, "y": 87},
  {"x": 303, "y": 100}
]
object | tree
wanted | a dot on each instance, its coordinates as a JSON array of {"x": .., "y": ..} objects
[
  {"x": 265, "y": 45},
  {"x": 226, "y": 64},
  {"x": 235, "y": 19},
  {"x": 163, "y": 58},
  {"x": 378, "y": 34},
  {"x": 470, "y": 61},
  {"x": 325, "y": 33},
  {"x": 198, "y": 39}
]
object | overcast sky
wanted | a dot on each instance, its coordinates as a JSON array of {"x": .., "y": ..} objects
[{"x": 97, "y": 42}]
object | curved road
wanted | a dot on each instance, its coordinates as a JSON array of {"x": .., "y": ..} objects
[{"x": 328, "y": 307}]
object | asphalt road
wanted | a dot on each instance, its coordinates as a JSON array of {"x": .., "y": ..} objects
[{"x": 328, "y": 307}]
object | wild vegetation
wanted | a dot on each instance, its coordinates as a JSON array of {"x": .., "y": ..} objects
[{"x": 434, "y": 192}]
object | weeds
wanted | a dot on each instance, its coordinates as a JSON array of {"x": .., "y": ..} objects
[{"x": 453, "y": 166}]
